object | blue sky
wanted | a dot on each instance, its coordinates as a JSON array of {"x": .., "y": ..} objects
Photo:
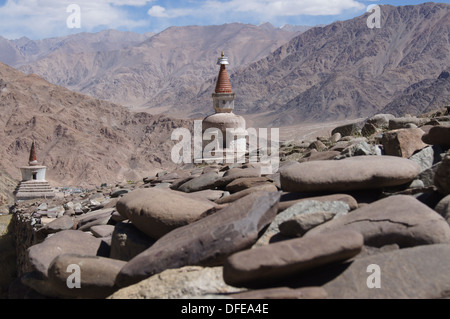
[{"x": 48, "y": 18}]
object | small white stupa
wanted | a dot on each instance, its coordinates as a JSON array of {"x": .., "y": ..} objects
[
  {"x": 224, "y": 118},
  {"x": 33, "y": 184}
]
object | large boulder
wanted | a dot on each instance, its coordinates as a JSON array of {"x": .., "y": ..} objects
[
  {"x": 208, "y": 241},
  {"x": 400, "y": 219},
  {"x": 96, "y": 280},
  {"x": 355, "y": 173},
  {"x": 269, "y": 264},
  {"x": 158, "y": 211},
  {"x": 412, "y": 273}
]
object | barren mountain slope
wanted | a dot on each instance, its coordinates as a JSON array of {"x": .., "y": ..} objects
[
  {"x": 82, "y": 140},
  {"x": 422, "y": 97},
  {"x": 175, "y": 61},
  {"x": 24, "y": 50},
  {"x": 344, "y": 70}
]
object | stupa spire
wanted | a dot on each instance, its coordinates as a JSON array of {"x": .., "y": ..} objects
[
  {"x": 33, "y": 158},
  {"x": 223, "y": 84}
]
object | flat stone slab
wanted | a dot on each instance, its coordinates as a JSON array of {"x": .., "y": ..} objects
[
  {"x": 399, "y": 219},
  {"x": 64, "y": 242},
  {"x": 97, "y": 276},
  {"x": 158, "y": 211},
  {"x": 208, "y": 241},
  {"x": 412, "y": 273},
  {"x": 354, "y": 173},
  {"x": 183, "y": 283},
  {"x": 266, "y": 265}
]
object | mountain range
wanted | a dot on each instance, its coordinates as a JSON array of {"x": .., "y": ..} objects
[
  {"x": 346, "y": 70},
  {"x": 149, "y": 71}
]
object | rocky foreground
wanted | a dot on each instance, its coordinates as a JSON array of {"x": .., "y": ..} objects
[{"x": 364, "y": 213}]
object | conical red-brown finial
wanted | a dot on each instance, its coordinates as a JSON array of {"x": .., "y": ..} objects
[
  {"x": 223, "y": 84},
  {"x": 33, "y": 157}
]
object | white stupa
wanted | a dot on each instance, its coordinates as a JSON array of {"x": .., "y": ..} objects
[
  {"x": 33, "y": 184},
  {"x": 224, "y": 118}
]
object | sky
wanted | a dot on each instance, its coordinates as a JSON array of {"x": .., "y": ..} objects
[{"x": 53, "y": 18}]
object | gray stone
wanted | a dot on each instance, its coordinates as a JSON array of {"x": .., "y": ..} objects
[
  {"x": 301, "y": 208},
  {"x": 204, "y": 181},
  {"x": 299, "y": 225},
  {"x": 264, "y": 266},
  {"x": 190, "y": 282},
  {"x": 289, "y": 199},
  {"x": 411, "y": 273},
  {"x": 354, "y": 173},
  {"x": 209, "y": 241},
  {"x": 64, "y": 242},
  {"x": 97, "y": 276},
  {"x": 424, "y": 158},
  {"x": 158, "y": 211},
  {"x": 127, "y": 242},
  {"x": 399, "y": 219},
  {"x": 359, "y": 149}
]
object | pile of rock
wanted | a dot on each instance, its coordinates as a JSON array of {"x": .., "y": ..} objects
[{"x": 310, "y": 230}]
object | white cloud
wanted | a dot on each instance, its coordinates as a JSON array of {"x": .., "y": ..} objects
[
  {"x": 264, "y": 8},
  {"x": 158, "y": 11},
  {"x": 43, "y": 18}
]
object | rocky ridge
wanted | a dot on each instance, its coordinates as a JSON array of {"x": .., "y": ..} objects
[{"x": 205, "y": 247}]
